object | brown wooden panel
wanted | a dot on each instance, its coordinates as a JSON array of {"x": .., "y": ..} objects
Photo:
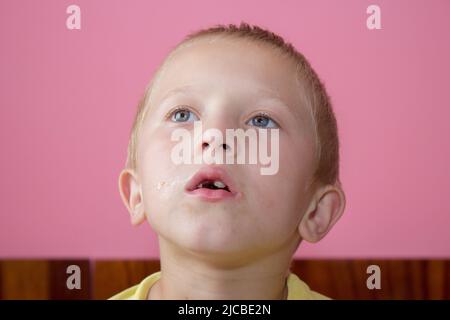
[
  {"x": 400, "y": 279},
  {"x": 42, "y": 279},
  {"x": 1, "y": 281},
  {"x": 111, "y": 277},
  {"x": 437, "y": 279},
  {"x": 58, "y": 280},
  {"x": 338, "y": 279},
  {"x": 25, "y": 279}
]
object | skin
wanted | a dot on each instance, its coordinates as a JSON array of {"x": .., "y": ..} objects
[{"x": 239, "y": 248}]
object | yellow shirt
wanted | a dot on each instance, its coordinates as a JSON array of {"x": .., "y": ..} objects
[{"x": 297, "y": 289}]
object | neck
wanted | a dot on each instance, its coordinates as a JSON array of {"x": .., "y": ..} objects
[{"x": 189, "y": 276}]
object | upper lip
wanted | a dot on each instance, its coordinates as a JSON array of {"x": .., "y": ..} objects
[{"x": 210, "y": 174}]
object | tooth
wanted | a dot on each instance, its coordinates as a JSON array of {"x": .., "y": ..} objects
[{"x": 219, "y": 184}]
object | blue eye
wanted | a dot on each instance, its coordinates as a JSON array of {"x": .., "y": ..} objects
[
  {"x": 262, "y": 121},
  {"x": 183, "y": 115}
]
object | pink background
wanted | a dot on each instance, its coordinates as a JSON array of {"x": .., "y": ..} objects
[{"x": 68, "y": 98}]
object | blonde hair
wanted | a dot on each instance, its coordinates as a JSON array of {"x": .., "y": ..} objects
[{"x": 316, "y": 98}]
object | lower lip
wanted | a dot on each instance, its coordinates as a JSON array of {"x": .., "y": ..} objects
[{"x": 211, "y": 195}]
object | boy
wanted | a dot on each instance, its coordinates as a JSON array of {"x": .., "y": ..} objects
[{"x": 226, "y": 231}]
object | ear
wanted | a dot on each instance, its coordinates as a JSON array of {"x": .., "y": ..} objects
[
  {"x": 130, "y": 192},
  {"x": 326, "y": 207}
]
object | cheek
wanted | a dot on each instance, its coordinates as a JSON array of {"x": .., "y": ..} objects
[
  {"x": 158, "y": 174},
  {"x": 277, "y": 201},
  {"x": 281, "y": 197},
  {"x": 154, "y": 149},
  {"x": 297, "y": 161},
  {"x": 155, "y": 162}
]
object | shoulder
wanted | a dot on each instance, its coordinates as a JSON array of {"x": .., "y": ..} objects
[
  {"x": 139, "y": 291},
  {"x": 126, "y": 294},
  {"x": 299, "y": 290}
]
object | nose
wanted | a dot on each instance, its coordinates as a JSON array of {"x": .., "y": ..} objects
[
  {"x": 205, "y": 145},
  {"x": 215, "y": 139},
  {"x": 211, "y": 142}
]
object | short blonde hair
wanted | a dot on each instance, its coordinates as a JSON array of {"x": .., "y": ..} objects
[{"x": 316, "y": 98}]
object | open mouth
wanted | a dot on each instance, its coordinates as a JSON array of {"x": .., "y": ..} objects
[
  {"x": 211, "y": 183},
  {"x": 214, "y": 185}
]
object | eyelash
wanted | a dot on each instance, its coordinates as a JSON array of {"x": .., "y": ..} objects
[
  {"x": 265, "y": 115},
  {"x": 171, "y": 113}
]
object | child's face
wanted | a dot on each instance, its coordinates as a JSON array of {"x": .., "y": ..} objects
[{"x": 226, "y": 83}]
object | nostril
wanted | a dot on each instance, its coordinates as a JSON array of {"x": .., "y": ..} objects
[{"x": 224, "y": 146}]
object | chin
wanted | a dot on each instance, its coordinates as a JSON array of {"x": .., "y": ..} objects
[
  {"x": 223, "y": 256},
  {"x": 211, "y": 243}
]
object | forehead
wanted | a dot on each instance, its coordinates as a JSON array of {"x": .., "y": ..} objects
[{"x": 231, "y": 66}]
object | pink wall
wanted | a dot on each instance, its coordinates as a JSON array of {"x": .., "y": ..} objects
[{"x": 68, "y": 98}]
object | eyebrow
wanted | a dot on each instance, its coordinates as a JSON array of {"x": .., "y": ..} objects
[
  {"x": 178, "y": 90},
  {"x": 271, "y": 95},
  {"x": 264, "y": 93}
]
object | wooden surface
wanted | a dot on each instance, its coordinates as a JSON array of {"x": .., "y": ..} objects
[
  {"x": 338, "y": 279},
  {"x": 400, "y": 279},
  {"x": 42, "y": 279},
  {"x": 111, "y": 277}
]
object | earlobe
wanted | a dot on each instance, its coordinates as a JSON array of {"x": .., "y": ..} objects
[
  {"x": 325, "y": 209},
  {"x": 130, "y": 192}
]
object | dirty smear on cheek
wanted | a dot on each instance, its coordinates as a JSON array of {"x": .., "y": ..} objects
[{"x": 168, "y": 188}]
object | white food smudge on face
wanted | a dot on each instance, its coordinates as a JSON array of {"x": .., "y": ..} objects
[
  {"x": 168, "y": 188},
  {"x": 160, "y": 185}
]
